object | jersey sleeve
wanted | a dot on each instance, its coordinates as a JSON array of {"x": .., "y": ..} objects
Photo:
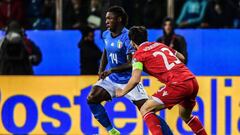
[
  {"x": 104, "y": 36},
  {"x": 173, "y": 51},
  {"x": 105, "y": 33},
  {"x": 138, "y": 57},
  {"x": 137, "y": 61},
  {"x": 137, "y": 65},
  {"x": 129, "y": 48}
]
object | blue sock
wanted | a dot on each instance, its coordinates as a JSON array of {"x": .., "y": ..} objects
[
  {"x": 100, "y": 114},
  {"x": 165, "y": 128}
]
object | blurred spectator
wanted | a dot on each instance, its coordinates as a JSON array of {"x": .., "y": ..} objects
[
  {"x": 192, "y": 13},
  {"x": 33, "y": 11},
  {"x": 236, "y": 4},
  {"x": 10, "y": 10},
  {"x": 173, "y": 40},
  {"x": 68, "y": 15},
  {"x": 80, "y": 14},
  {"x": 89, "y": 53},
  {"x": 219, "y": 14},
  {"x": 75, "y": 14},
  {"x": 140, "y": 12},
  {"x": 46, "y": 17},
  {"x": 95, "y": 7},
  {"x": 17, "y": 52},
  {"x": 94, "y": 18},
  {"x": 152, "y": 13},
  {"x": 137, "y": 11},
  {"x": 178, "y": 4},
  {"x": 128, "y": 6}
]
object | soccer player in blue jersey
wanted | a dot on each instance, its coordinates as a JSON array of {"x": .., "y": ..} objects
[{"x": 117, "y": 57}]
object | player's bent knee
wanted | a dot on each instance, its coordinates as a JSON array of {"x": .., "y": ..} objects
[
  {"x": 185, "y": 113},
  {"x": 93, "y": 96},
  {"x": 144, "y": 110},
  {"x": 185, "y": 117}
]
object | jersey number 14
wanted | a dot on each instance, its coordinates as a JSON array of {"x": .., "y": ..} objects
[
  {"x": 114, "y": 58},
  {"x": 165, "y": 60}
]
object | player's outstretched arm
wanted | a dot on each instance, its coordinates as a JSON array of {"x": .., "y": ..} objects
[
  {"x": 134, "y": 80},
  {"x": 132, "y": 83}
]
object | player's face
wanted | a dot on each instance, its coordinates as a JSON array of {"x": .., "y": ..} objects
[
  {"x": 90, "y": 37},
  {"x": 168, "y": 27},
  {"x": 111, "y": 21}
]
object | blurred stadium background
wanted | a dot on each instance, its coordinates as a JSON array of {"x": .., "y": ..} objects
[{"x": 53, "y": 99}]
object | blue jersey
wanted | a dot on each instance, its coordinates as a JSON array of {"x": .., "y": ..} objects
[{"x": 117, "y": 49}]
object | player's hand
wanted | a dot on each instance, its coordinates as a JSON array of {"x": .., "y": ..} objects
[
  {"x": 99, "y": 75},
  {"x": 104, "y": 74},
  {"x": 119, "y": 92}
]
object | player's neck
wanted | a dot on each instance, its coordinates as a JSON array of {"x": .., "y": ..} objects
[{"x": 117, "y": 32}]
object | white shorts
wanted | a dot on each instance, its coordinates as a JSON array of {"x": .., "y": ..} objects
[{"x": 138, "y": 93}]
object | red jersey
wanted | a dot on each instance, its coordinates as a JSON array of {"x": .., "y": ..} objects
[{"x": 160, "y": 61}]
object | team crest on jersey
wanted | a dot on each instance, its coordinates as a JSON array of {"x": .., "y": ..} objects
[
  {"x": 119, "y": 44},
  {"x": 106, "y": 42},
  {"x": 112, "y": 44}
]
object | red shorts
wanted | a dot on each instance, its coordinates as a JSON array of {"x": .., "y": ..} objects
[{"x": 183, "y": 93}]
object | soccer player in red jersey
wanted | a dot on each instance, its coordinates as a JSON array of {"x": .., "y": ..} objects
[{"x": 165, "y": 64}]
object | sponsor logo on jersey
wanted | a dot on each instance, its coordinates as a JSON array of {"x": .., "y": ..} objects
[{"x": 165, "y": 93}]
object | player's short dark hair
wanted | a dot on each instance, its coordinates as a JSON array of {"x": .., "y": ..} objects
[
  {"x": 138, "y": 34},
  {"x": 168, "y": 19},
  {"x": 119, "y": 12}
]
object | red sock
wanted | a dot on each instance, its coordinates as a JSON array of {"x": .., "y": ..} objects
[
  {"x": 196, "y": 126},
  {"x": 153, "y": 123}
]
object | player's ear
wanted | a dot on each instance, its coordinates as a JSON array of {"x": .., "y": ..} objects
[
  {"x": 134, "y": 44},
  {"x": 119, "y": 19},
  {"x": 131, "y": 42}
]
